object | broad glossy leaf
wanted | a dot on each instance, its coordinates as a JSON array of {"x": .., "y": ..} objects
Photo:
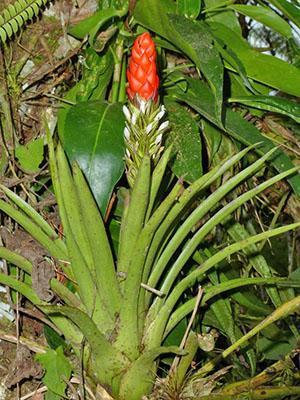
[
  {"x": 185, "y": 139},
  {"x": 263, "y": 68},
  {"x": 193, "y": 38},
  {"x": 271, "y": 103},
  {"x": 93, "y": 136},
  {"x": 266, "y": 16},
  {"x": 201, "y": 99}
]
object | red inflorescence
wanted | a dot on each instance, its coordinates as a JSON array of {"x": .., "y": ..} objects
[{"x": 141, "y": 72}]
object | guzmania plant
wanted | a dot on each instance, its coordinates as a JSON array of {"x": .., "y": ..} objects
[{"x": 121, "y": 307}]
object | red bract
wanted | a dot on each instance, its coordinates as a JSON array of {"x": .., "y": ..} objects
[{"x": 141, "y": 72}]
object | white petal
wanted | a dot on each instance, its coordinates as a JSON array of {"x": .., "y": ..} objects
[
  {"x": 149, "y": 128},
  {"x": 126, "y": 133},
  {"x": 158, "y": 139},
  {"x": 128, "y": 153},
  {"x": 143, "y": 106},
  {"x": 160, "y": 114},
  {"x": 126, "y": 113},
  {"x": 163, "y": 126},
  {"x": 134, "y": 118}
]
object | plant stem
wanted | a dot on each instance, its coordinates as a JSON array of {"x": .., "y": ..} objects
[
  {"x": 118, "y": 56},
  {"x": 122, "y": 90}
]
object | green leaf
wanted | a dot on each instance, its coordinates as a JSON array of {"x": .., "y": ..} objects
[
  {"x": 273, "y": 350},
  {"x": 58, "y": 370},
  {"x": 93, "y": 136},
  {"x": 143, "y": 371},
  {"x": 215, "y": 11},
  {"x": 271, "y": 103},
  {"x": 189, "y": 8},
  {"x": 265, "y": 16},
  {"x": 91, "y": 25},
  {"x": 288, "y": 9},
  {"x": 192, "y": 37},
  {"x": 107, "y": 362},
  {"x": 30, "y": 155},
  {"x": 200, "y": 99},
  {"x": 263, "y": 68},
  {"x": 186, "y": 143},
  {"x": 96, "y": 75},
  {"x": 54, "y": 340},
  {"x": 199, "y": 46}
]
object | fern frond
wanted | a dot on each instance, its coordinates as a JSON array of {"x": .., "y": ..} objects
[{"x": 14, "y": 16}]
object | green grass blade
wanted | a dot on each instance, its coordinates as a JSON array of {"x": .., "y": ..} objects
[
  {"x": 135, "y": 217},
  {"x": 128, "y": 338}
]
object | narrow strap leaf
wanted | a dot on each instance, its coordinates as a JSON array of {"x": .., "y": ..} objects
[
  {"x": 157, "y": 327},
  {"x": 209, "y": 203},
  {"x": 30, "y": 212},
  {"x": 54, "y": 246},
  {"x": 128, "y": 338},
  {"x": 157, "y": 177},
  {"x": 135, "y": 217},
  {"x": 104, "y": 272}
]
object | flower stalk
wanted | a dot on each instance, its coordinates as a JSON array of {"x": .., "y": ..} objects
[{"x": 145, "y": 124}]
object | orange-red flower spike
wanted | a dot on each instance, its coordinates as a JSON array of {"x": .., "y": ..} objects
[{"x": 142, "y": 76}]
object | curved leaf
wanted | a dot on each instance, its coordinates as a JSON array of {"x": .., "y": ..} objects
[
  {"x": 288, "y": 9},
  {"x": 93, "y": 136},
  {"x": 271, "y": 103},
  {"x": 143, "y": 371},
  {"x": 263, "y": 68},
  {"x": 91, "y": 25},
  {"x": 266, "y": 16}
]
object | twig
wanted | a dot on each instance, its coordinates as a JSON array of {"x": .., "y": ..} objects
[
  {"x": 152, "y": 290},
  {"x": 187, "y": 331},
  {"x": 30, "y": 344}
]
